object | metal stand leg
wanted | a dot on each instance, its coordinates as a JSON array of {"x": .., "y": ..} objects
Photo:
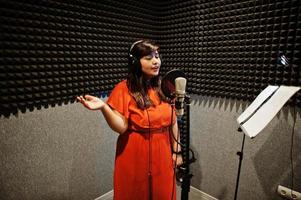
[{"x": 240, "y": 154}]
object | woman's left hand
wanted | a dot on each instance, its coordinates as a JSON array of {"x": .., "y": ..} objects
[{"x": 177, "y": 159}]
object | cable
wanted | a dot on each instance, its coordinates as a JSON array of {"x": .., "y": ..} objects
[
  {"x": 174, "y": 167},
  {"x": 149, "y": 159},
  {"x": 292, "y": 147},
  {"x": 178, "y": 142}
]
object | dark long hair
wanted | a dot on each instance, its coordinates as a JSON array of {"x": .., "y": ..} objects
[{"x": 137, "y": 83}]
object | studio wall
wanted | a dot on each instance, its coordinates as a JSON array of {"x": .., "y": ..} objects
[
  {"x": 52, "y": 51},
  {"x": 270, "y": 159}
]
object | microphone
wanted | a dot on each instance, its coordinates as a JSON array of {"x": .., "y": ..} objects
[{"x": 180, "y": 83}]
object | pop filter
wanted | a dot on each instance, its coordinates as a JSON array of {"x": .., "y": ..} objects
[{"x": 168, "y": 82}]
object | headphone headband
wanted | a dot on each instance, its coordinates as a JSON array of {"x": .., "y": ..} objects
[{"x": 131, "y": 48}]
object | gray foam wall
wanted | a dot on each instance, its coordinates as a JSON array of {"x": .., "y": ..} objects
[
  {"x": 266, "y": 162},
  {"x": 65, "y": 152}
]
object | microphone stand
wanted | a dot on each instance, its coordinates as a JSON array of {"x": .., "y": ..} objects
[
  {"x": 240, "y": 155},
  {"x": 186, "y": 175}
]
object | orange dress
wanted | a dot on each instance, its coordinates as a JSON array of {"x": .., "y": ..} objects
[{"x": 141, "y": 154}]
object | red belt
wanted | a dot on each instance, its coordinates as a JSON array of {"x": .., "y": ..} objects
[{"x": 152, "y": 130}]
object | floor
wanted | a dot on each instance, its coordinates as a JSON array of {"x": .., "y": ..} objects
[{"x": 194, "y": 194}]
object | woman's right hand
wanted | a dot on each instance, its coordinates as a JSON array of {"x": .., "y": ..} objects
[{"x": 91, "y": 102}]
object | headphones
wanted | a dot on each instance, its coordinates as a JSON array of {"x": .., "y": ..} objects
[{"x": 133, "y": 61}]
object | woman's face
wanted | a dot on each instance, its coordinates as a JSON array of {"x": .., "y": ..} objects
[{"x": 150, "y": 64}]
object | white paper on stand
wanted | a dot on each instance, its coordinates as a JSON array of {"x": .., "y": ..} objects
[
  {"x": 265, "y": 94},
  {"x": 266, "y": 110}
]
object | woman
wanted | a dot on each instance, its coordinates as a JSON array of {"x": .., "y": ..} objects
[{"x": 137, "y": 110}]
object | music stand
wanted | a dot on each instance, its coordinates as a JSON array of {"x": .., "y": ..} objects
[{"x": 260, "y": 112}]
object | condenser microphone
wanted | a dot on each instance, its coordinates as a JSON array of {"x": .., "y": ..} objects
[{"x": 180, "y": 86}]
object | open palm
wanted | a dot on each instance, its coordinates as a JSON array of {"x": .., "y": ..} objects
[{"x": 91, "y": 102}]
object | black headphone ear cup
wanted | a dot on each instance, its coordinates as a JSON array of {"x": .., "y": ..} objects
[
  {"x": 134, "y": 64},
  {"x": 130, "y": 60}
]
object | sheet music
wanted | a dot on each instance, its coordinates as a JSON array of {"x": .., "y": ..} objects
[
  {"x": 264, "y": 114},
  {"x": 266, "y": 93}
]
